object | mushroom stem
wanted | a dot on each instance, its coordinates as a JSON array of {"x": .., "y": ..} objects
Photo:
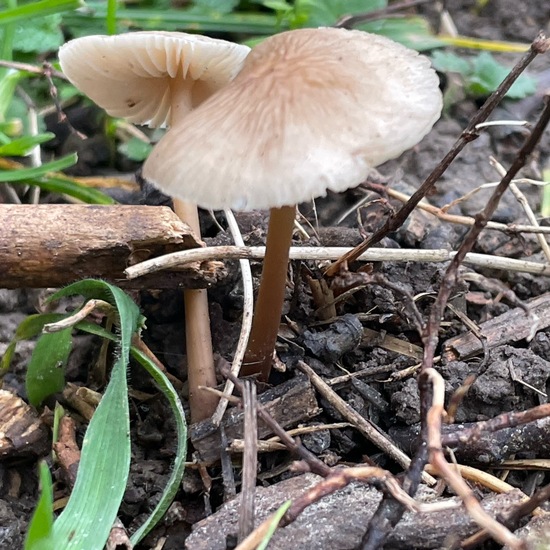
[
  {"x": 198, "y": 339},
  {"x": 269, "y": 305}
]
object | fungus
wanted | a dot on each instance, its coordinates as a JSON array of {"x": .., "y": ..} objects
[
  {"x": 311, "y": 110},
  {"x": 158, "y": 78}
]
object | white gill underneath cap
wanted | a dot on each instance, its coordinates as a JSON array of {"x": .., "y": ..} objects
[{"x": 146, "y": 76}]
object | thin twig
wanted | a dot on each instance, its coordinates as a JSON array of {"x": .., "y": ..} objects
[
  {"x": 431, "y": 333},
  {"x": 502, "y": 421},
  {"x": 441, "y": 214},
  {"x": 246, "y": 323},
  {"x": 511, "y": 520},
  {"x": 434, "y": 418},
  {"x": 250, "y": 460},
  {"x": 363, "y": 425},
  {"x": 70, "y": 321},
  {"x": 340, "y": 478},
  {"x": 33, "y": 69},
  {"x": 315, "y": 465},
  {"x": 182, "y": 257},
  {"x": 520, "y": 197}
]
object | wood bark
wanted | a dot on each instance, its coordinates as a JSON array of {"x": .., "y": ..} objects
[
  {"x": 51, "y": 245},
  {"x": 289, "y": 404},
  {"x": 512, "y": 326},
  {"x": 22, "y": 433}
]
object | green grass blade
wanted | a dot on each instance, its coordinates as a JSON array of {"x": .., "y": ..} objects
[
  {"x": 38, "y": 171},
  {"x": 111, "y": 16},
  {"x": 129, "y": 315},
  {"x": 71, "y": 188},
  {"x": 37, "y": 9},
  {"x": 22, "y": 146},
  {"x": 9, "y": 80},
  {"x": 39, "y": 535},
  {"x": 179, "y": 463},
  {"x": 28, "y": 328},
  {"x": 172, "y": 19},
  {"x": 277, "y": 517},
  {"x": 7, "y": 35},
  {"x": 33, "y": 324},
  {"x": 181, "y": 430},
  {"x": 86, "y": 521},
  {"x": 413, "y": 32},
  {"x": 46, "y": 368}
]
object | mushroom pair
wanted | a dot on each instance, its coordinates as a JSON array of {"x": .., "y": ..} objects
[
  {"x": 310, "y": 110},
  {"x": 157, "y": 78},
  {"x": 304, "y": 112}
]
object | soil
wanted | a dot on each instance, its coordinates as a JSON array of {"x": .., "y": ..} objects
[{"x": 339, "y": 347}]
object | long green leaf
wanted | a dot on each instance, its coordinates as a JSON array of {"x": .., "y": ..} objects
[
  {"x": 20, "y": 147},
  {"x": 181, "y": 429},
  {"x": 86, "y": 521},
  {"x": 172, "y": 19},
  {"x": 71, "y": 188},
  {"x": 39, "y": 535},
  {"x": 37, "y": 9},
  {"x": 179, "y": 462},
  {"x": 38, "y": 171},
  {"x": 32, "y": 325},
  {"x": 46, "y": 368},
  {"x": 326, "y": 12}
]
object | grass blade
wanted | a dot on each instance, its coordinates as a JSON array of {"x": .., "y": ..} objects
[
  {"x": 39, "y": 535},
  {"x": 172, "y": 19},
  {"x": 71, "y": 188},
  {"x": 22, "y": 146},
  {"x": 37, "y": 9},
  {"x": 86, "y": 521},
  {"x": 179, "y": 463},
  {"x": 38, "y": 171},
  {"x": 46, "y": 369}
]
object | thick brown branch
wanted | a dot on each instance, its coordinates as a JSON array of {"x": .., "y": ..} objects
[{"x": 55, "y": 244}]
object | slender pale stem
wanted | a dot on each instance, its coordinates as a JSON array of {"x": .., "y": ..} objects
[
  {"x": 198, "y": 338},
  {"x": 271, "y": 295}
]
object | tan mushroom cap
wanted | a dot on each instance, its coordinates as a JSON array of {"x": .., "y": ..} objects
[
  {"x": 150, "y": 77},
  {"x": 311, "y": 110}
]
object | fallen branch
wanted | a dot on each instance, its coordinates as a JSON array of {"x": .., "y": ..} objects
[{"x": 51, "y": 245}]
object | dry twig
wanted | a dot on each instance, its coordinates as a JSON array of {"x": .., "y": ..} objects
[
  {"x": 246, "y": 323},
  {"x": 363, "y": 425},
  {"x": 437, "y": 459},
  {"x": 184, "y": 257}
]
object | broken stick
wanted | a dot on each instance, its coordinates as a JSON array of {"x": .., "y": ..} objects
[{"x": 51, "y": 245}]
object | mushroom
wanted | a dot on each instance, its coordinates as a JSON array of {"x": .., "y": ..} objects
[
  {"x": 153, "y": 78},
  {"x": 311, "y": 110},
  {"x": 157, "y": 78}
]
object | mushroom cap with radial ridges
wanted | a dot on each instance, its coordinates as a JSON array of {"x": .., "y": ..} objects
[
  {"x": 132, "y": 75},
  {"x": 311, "y": 110}
]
